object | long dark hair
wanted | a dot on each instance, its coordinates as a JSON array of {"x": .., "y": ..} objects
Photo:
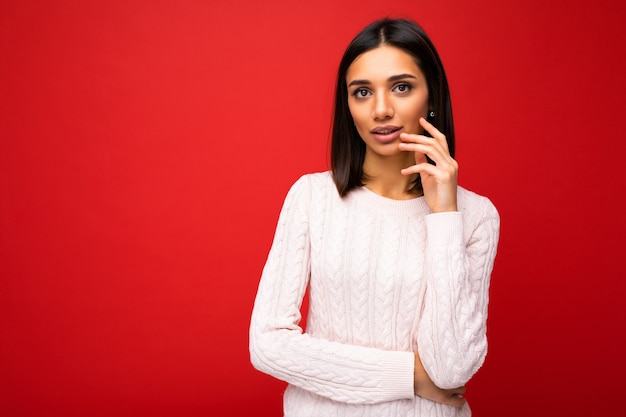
[{"x": 347, "y": 148}]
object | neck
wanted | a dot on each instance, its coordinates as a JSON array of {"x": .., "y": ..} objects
[{"x": 383, "y": 176}]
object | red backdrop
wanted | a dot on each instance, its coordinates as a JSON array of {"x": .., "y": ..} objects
[{"x": 146, "y": 147}]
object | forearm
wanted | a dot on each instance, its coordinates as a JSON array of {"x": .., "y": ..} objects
[
  {"x": 452, "y": 338},
  {"x": 345, "y": 373}
]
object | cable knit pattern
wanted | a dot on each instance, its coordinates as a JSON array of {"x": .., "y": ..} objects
[{"x": 386, "y": 278}]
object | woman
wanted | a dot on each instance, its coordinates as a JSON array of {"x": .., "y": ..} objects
[{"x": 396, "y": 256}]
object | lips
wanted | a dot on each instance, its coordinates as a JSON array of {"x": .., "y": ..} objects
[
  {"x": 384, "y": 130},
  {"x": 386, "y": 134}
]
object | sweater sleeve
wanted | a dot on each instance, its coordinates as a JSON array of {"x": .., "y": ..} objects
[
  {"x": 452, "y": 336},
  {"x": 278, "y": 346}
]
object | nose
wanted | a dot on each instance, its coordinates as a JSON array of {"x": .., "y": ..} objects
[{"x": 383, "y": 108}]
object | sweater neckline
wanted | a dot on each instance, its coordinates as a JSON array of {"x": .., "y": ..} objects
[{"x": 389, "y": 205}]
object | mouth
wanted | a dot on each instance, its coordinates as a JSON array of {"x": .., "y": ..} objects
[
  {"x": 386, "y": 134},
  {"x": 385, "y": 130}
]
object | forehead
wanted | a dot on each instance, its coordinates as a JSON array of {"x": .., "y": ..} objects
[{"x": 381, "y": 63}]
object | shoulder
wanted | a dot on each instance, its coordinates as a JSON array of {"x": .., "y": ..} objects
[
  {"x": 475, "y": 207},
  {"x": 318, "y": 178},
  {"x": 314, "y": 182},
  {"x": 311, "y": 187}
]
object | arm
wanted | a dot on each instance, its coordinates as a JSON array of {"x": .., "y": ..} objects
[
  {"x": 425, "y": 388},
  {"x": 452, "y": 340},
  {"x": 345, "y": 373}
]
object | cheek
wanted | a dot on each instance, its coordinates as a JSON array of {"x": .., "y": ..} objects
[
  {"x": 414, "y": 110},
  {"x": 410, "y": 115},
  {"x": 357, "y": 114}
]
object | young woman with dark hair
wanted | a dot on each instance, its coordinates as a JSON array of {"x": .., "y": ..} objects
[{"x": 396, "y": 256}]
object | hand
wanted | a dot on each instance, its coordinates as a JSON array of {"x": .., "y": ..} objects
[
  {"x": 439, "y": 181},
  {"x": 425, "y": 388}
]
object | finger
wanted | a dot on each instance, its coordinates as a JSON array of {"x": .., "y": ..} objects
[
  {"x": 457, "y": 402},
  {"x": 415, "y": 138},
  {"x": 436, "y": 149},
  {"x": 430, "y": 128},
  {"x": 409, "y": 139},
  {"x": 444, "y": 170},
  {"x": 434, "y": 132},
  {"x": 456, "y": 399},
  {"x": 424, "y": 167},
  {"x": 433, "y": 150}
]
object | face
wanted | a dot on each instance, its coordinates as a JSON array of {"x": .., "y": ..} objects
[{"x": 387, "y": 94}]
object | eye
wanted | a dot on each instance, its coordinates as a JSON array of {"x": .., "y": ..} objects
[
  {"x": 361, "y": 93},
  {"x": 403, "y": 87}
]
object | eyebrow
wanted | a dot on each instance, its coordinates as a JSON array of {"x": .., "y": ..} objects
[{"x": 390, "y": 79}]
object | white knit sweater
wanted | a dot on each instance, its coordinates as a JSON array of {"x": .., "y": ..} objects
[{"x": 386, "y": 278}]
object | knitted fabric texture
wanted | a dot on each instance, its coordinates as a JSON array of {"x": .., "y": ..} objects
[{"x": 385, "y": 278}]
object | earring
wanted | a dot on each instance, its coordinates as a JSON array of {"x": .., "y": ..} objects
[{"x": 431, "y": 114}]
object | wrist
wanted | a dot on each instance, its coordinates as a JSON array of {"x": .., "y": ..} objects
[{"x": 419, "y": 374}]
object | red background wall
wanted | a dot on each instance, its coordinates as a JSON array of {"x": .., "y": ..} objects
[{"x": 146, "y": 148}]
